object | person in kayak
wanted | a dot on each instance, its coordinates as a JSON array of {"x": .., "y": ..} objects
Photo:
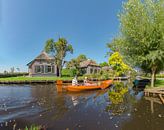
[
  {"x": 74, "y": 81},
  {"x": 87, "y": 82}
]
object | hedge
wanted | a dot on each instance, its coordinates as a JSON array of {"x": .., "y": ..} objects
[{"x": 2, "y": 75}]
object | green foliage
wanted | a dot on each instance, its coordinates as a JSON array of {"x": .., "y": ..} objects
[
  {"x": 59, "y": 50},
  {"x": 160, "y": 76},
  {"x": 103, "y": 64},
  {"x": 159, "y": 83},
  {"x": 69, "y": 72},
  {"x": 66, "y": 72},
  {"x": 106, "y": 74},
  {"x": 142, "y": 34},
  {"x": 75, "y": 62},
  {"x": 81, "y": 58},
  {"x": 92, "y": 76},
  {"x": 5, "y": 75},
  {"x": 24, "y": 78},
  {"x": 116, "y": 61},
  {"x": 117, "y": 45}
]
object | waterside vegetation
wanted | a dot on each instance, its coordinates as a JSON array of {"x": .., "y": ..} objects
[{"x": 141, "y": 36}]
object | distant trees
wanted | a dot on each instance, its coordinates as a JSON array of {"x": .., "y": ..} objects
[
  {"x": 12, "y": 70},
  {"x": 18, "y": 69},
  {"x": 59, "y": 50},
  {"x": 141, "y": 38},
  {"x": 74, "y": 64},
  {"x": 5, "y": 72},
  {"x": 104, "y": 64}
]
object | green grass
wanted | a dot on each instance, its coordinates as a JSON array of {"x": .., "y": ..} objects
[
  {"x": 21, "y": 78},
  {"x": 159, "y": 83}
]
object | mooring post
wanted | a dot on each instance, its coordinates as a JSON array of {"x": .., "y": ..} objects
[
  {"x": 162, "y": 99},
  {"x": 152, "y": 108}
]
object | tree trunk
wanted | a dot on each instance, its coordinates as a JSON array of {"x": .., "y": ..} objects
[
  {"x": 153, "y": 76},
  {"x": 57, "y": 71},
  {"x": 60, "y": 70}
]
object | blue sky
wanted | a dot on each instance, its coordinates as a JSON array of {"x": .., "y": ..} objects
[{"x": 25, "y": 25}]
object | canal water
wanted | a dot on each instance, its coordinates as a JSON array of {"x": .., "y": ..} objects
[{"x": 25, "y": 105}]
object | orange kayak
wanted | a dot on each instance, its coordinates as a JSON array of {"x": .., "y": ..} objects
[{"x": 105, "y": 84}]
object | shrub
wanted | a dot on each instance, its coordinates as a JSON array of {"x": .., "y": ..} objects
[
  {"x": 2, "y": 75},
  {"x": 69, "y": 72}
]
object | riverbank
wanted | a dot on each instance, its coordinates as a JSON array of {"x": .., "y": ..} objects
[
  {"x": 30, "y": 80},
  {"x": 159, "y": 83}
]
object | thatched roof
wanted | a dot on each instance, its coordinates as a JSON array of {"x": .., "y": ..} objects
[
  {"x": 106, "y": 68},
  {"x": 42, "y": 56},
  {"x": 88, "y": 62}
]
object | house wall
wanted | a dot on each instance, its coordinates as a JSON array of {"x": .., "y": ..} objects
[
  {"x": 43, "y": 65},
  {"x": 93, "y": 69}
]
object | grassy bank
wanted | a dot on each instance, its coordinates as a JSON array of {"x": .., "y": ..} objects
[
  {"x": 21, "y": 78},
  {"x": 159, "y": 83},
  {"x": 26, "y": 79}
]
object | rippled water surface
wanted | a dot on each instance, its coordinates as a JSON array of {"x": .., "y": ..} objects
[{"x": 24, "y": 105}]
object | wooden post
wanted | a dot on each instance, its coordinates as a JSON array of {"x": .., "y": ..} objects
[
  {"x": 152, "y": 108},
  {"x": 162, "y": 99}
]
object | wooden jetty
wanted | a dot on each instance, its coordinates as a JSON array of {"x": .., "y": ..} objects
[
  {"x": 154, "y": 95},
  {"x": 155, "y": 92},
  {"x": 153, "y": 100}
]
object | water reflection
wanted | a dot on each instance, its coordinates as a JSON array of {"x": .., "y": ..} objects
[
  {"x": 50, "y": 101},
  {"x": 41, "y": 104}
]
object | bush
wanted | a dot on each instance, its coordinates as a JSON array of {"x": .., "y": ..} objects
[
  {"x": 106, "y": 74},
  {"x": 69, "y": 72},
  {"x": 93, "y": 76},
  {"x": 2, "y": 75}
]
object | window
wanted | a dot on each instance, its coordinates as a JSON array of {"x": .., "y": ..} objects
[
  {"x": 91, "y": 71},
  {"x": 38, "y": 69},
  {"x": 48, "y": 69},
  {"x": 53, "y": 69}
]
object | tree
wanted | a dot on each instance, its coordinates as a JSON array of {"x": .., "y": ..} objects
[
  {"x": 104, "y": 64},
  {"x": 116, "y": 62},
  {"x": 117, "y": 45},
  {"x": 75, "y": 62},
  {"x": 59, "y": 50},
  {"x": 12, "y": 70},
  {"x": 142, "y": 34},
  {"x": 5, "y": 72},
  {"x": 81, "y": 58},
  {"x": 18, "y": 69}
]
